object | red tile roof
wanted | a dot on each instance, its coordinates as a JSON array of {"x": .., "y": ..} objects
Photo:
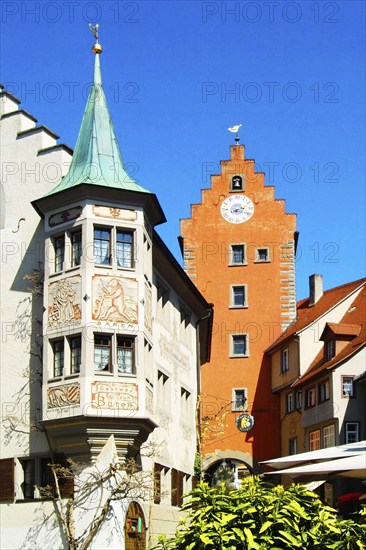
[
  {"x": 355, "y": 316},
  {"x": 306, "y": 314}
]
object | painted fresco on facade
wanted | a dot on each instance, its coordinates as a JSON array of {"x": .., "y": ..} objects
[
  {"x": 65, "y": 216},
  {"x": 114, "y": 299},
  {"x": 62, "y": 396},
  {"x": 64, "y": 297},
  {"x": 114, "y": 213}
]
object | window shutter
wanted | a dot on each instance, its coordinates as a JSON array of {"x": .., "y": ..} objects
[
  {"x": 180, "y": 488},
  {"x": 174, "y": 492},
  {"x": 7, "y": 485},
  {"x": 157, "y": 483}
]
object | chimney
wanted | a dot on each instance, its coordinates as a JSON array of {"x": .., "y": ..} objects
[{"x": 315, "y": 289}]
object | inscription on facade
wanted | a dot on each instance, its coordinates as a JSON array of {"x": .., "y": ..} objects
[
  {"x": 115, "y": 395},
  {"x": 169, "y": 350}
]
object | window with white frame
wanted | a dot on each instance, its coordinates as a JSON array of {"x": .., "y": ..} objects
[
  {"x": 314, "y": 440},
  {"x": 347, "y": 386},
  {"x": 238, "y": 296},
  {"x": 310, "y": 398},
  {"x": 352, "y": 433},
  {"x": 239, "y": 345},
  {"x": 290, "y": 405},
  {"x": 237, "y": 254},
  {"x": 284, "y": 360},
  {"x": 239, "y": 399},
  {"x": 324, "y": 391},
  {"x": 329, "y": 436},
  {"x": 262, "y": 254}
]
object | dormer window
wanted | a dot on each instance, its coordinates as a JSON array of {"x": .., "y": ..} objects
[{"x": 329, "y": 350}]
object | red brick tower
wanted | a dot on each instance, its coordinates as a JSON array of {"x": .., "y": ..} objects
[{"x": 239, "y": 250}]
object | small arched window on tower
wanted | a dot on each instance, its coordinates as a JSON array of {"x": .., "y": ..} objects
[{"x": 237, "y": 183}]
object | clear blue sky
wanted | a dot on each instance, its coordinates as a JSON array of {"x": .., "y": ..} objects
[{"x": 178, "y": 73}]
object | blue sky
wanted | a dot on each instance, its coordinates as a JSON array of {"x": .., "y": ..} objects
[{"x": 177, "y": 73}]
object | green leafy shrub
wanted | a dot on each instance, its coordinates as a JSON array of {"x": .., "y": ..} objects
[{"x": 260, "y": 516}]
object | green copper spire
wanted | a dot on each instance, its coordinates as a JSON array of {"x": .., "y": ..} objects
[{"x": 97, "y": 158}]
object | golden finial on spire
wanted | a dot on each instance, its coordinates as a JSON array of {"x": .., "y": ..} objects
[{"x": 97, "y": 48}]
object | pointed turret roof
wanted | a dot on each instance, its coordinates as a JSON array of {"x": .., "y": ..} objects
[
  {"x": 97, "y": 167},
  {"x": 97, "y": 158}
]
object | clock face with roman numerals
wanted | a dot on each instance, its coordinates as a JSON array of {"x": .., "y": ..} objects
[{"x": 237, "y": 209}]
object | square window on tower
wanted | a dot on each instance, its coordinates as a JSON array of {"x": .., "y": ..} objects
[{"x": 237, "y": 183}]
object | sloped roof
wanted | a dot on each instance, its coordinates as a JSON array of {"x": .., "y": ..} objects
[
  {"x": 306, "y": 315},
  {"x": 341, "y": 329},
  {"x": 355, "y": 316}
]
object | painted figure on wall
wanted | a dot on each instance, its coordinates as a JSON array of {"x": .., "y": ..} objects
[
  {"x": 63, "y": 295},
  {"x": 114, "y": 300}
]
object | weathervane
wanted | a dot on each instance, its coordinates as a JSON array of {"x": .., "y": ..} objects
[
  {"x": 235, "y": 130},
  {"x": 97, "y": 48}
]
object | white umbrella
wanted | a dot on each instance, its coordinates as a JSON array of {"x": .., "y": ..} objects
[
  {"x": 341, "y": 451},
  {"x": 350, "y": 466}
]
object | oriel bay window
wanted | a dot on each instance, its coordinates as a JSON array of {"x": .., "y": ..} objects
[
  {"x": 58, "y": 358},
  {"x": 125, "y": 354},
  {"x": 114, "y": 353},
  {"x": 66, "y": 356},
  {"x": 102, "y": 245},
  {"x": 114, "y": 246},
  {"x": 102, "y": 352},
  {"x": 59, "y": 246},
  {"x": 75, "y": 354},
  {"x": 124, "y": 248},
  {"x": 76, "y": 248},
  {"x": 67, "y": 250}
]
